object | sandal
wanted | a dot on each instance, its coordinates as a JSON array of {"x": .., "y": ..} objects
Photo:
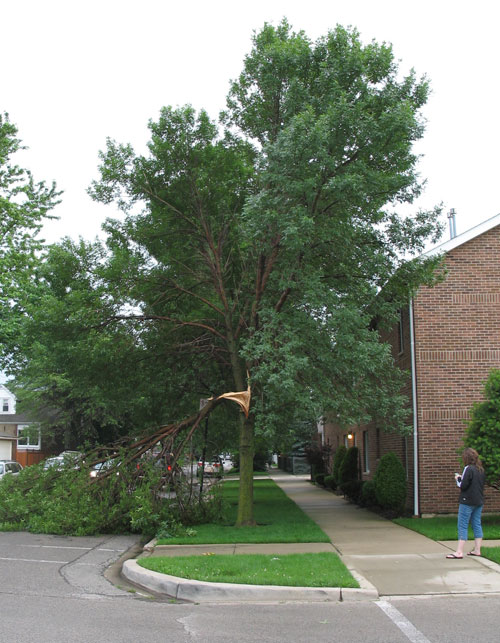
[{"x": 453, "y": 556}]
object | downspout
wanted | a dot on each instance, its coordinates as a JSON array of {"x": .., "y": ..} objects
[{"x": 416, "y": 508}]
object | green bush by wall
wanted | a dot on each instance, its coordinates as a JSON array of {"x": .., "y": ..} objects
[
  {"x": 337, "y": 462},
  {"x": 390, "y": 483},
  {"x": 349, "y": 469}
]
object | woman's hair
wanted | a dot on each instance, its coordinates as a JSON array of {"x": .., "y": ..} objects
[{"x": 471, "y": 456}]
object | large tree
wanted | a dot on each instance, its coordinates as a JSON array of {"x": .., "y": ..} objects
[
  {"x": 24, "y": 205},
  {"x": 266, "y": 249}
]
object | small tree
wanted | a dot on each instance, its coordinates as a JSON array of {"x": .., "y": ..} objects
[
  {"x": 390, "y": 483},
  {"x": 317, "y": 457},
  {"x": 484, "y": 428},
  {"x": 337, "y": 462},
  {"x": 349, "y": 469}
]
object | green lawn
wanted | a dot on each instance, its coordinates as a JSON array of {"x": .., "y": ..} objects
[
  {"x": 492, "y": 553},
  {"x": 294, "y": 570},
  {"x": 445, "y": 527},
  {"x": 279, "y": 520}
]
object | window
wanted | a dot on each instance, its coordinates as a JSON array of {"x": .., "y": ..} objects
[
  {"x": 28, "y": 437},
  {"x": 366, "y": 454},
  {"x": 5, "y": 405}
]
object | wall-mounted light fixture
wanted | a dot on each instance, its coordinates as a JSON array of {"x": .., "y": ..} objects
[{"x": 349, "y": 436}]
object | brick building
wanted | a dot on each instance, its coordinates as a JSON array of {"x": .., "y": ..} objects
[{"x": 449, "y": 340}]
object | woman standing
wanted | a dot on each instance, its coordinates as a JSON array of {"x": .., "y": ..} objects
[{"x": 471, "y": 484}]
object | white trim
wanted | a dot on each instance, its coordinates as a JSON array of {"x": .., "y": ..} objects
[
  {"x": 29, "y": 446},
  {"x": 416, "y": 508},
  {"x": 366, "y": 452},
  {"x": 468, "y": 235}
]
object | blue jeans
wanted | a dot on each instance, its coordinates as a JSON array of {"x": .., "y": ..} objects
[{"x": 472, "y": 514}]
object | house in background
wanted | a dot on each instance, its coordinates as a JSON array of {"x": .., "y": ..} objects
[
  {"x": 17, "y": 441},
  {"x": 448, "y": 338}
]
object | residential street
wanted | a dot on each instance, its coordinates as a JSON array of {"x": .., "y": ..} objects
[{"x": 53, "y": 591}]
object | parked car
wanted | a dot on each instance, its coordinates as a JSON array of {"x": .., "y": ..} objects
[
  {"x": 213, "y": 466},
  {"x": 227, "y": 463},
  {"x": 9, "y": 467},
  {"x": 101, "y": 467},
  {"x": 63, "y": 459}
]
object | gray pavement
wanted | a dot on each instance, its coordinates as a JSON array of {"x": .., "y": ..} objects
[{"x": 386, "y": 559}]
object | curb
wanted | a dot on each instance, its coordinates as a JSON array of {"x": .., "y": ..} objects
[{"x": 204, "y": 592}]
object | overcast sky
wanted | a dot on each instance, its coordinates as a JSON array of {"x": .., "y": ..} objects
[{"x": 74, "y": 73}]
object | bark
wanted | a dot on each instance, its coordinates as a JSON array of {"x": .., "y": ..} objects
[{"x": 245, "y": 499}]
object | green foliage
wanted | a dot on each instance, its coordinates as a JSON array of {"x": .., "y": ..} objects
[
  {"x": 172, "y": 528},
  {"x": 262, "y": 454},
  {"x": 368, "y": 497},
  {"x": 319, "y": 478},
  {"x": 484, "y": 428},
  {"x": 349, "y": 469},
  {"x": 352, "y": 490},
  {"x": 318, "y": 457},
  {"x": 330, "y": 483},
  {"x": 259, "y": 245},
  {"x": 24, "y": 205},
  {"x": 68, "y": 502},
  {"x": 390, "y": 483},
  {"x": 337, "y": 462},
  {"x": 334, "y": 151}
]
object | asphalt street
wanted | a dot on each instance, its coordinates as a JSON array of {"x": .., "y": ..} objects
[{"x": 55, "y": 590}]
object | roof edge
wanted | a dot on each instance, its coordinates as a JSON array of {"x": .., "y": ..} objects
[{"x": 464, "y": 237}]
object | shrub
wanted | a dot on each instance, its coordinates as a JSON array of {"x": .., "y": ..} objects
[
  {"x": 317, "y": 457},
  {"x": 337, "y": 462},
  {"x": 368, "y": 497},
  {"x": 390, "y": 483},
  {"x": 320, "y": 479},
  {"x": 484, "y": 427},
  {"x": 330, "y": 483},
  {"x": 352, "y": 489},
  {"x": 349, "y": 469}
]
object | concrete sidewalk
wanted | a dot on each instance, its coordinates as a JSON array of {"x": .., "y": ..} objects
[
  {"x": 386, "y": 559},
  {"x": 396, "y": 560}
]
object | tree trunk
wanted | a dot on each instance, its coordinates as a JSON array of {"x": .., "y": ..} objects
[{"x": 245, "y": 499}]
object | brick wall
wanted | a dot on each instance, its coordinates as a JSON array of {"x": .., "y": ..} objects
[
  {"x": 457, "y": 341},
  {"x": 457, "y": 336}
]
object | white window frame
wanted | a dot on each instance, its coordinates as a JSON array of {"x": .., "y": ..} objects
[
  {"x": 30, "y": 445},
  {"x": 366, "y": 452},
  {"x": 5, "y": 401}
]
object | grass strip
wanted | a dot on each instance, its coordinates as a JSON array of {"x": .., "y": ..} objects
[
  {"x": 290, "y": 570},
  {"x": 445, "y": 527},
  {"x": 492, "y": 553},
  {"x": 279, "y": 520}
]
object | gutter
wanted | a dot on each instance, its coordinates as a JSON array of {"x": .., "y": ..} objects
[{"x": 416, "y": 508}]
